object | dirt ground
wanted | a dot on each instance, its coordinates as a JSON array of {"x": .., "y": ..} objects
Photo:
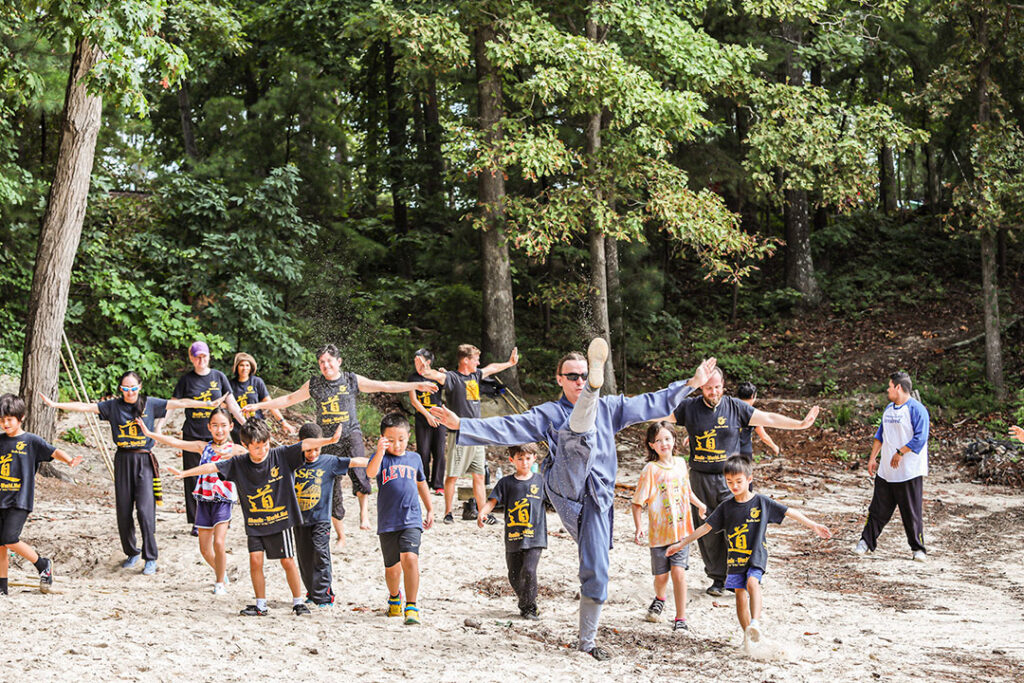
[{"x": 828, "y": 613}]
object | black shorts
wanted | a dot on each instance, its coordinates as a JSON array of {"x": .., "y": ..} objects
[
  {"x": 12, "y": 520},
  {"x": 277, "y": 546},
  {"x": 394, "y": 543}
]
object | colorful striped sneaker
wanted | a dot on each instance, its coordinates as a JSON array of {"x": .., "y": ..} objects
[
  {"x": 412, "y": 614},
  {"x": 395, "y": 606}
]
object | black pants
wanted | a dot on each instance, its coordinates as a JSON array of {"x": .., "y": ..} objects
[
  {"x": 188, "y": 461},
  {"x": 313, "y": 550},
  {"x": 133, "y": 489},
  {"x": 522, "y": 574},
  {"x": 711, "y": 488},
  {"x": 908, "y": 497},
  {"x": 430, "y": 446}
]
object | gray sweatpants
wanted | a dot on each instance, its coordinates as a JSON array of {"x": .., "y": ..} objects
[{"x": 711, "y": 488}]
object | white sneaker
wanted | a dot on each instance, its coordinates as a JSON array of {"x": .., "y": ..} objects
[
  {"x": 219, "y": 589},
  {"x": 753, "y": 632},
  {"x": 862, "y": 548},
  {"x": 920, "y": 556},
  {"x": 597, "y": 354}
]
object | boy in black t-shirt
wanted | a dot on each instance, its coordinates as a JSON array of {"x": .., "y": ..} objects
[
  {"x": 745, "y": 518},
  {"x": 526, "y": 528},
  {"x": 266, "y": 490},
  {"x": 21, "y": 453}
]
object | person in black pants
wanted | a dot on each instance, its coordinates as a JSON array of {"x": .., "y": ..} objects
[
  {"x": 202, "y": 383},
  {"x": 430, "y": 433},
  {"x": 526, "y": 529},
  {"x": 135, "y": 466}
]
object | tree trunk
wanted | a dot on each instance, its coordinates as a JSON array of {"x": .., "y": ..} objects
[
  {"x": 799, "y": 263},
  {"x": 188, "y": 135},
  {"x": 397, "y": 122},
  {"x": 58, "y": 242},
  {"x": 498, "y": 309},
  {"x": 598, "y": 261},
  {"x": 433, "y": 137},
  {"x": 615, "y": 324},
  {"x": 989, "y": 281},
  {"x": 886, "y": 182}
]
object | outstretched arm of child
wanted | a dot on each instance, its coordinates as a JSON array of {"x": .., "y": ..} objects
[
  {"x": 373, "y": 467},
  {"x": 485, "y": 510},
  {"x": 67, "y": 459},
  {"x": 638, "y": 533},
  {"x": 71, "y": 406},
  {"x": 358, "y": 462},
  {"x": 763, "y": 435},
  {"x": 676, "y": 547},
  {"x": 819, "y": 529},
  {"x": 311, "y": 444},
  {"x": 190, "y": 446},
  {"x": 175, "y": 403},
  {"x": 699, "y": 504},
  {"x": 428, "y": 521},
  {"x": 208, "y": 468}
]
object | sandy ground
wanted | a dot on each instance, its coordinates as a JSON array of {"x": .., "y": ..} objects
[{"x": 829, "y": 613}]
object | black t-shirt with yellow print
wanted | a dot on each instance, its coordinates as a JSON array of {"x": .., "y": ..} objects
[
  {"x": 714, "y": 433},
  {"x": 266, "y": 489},
  {"x": 123, "y": 429},
  {"x": 745, "y": 526},
  {"x": 463, "y": 392},
  {"x": 208, "y": 387},
  {"x": 20, "y": 457}
]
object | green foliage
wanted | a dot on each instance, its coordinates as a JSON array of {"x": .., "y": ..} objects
[
  {"x": 73, "y": 435},
  {"x": 843, "y": 455}
]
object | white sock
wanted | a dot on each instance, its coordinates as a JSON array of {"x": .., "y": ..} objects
[
  {"x": 296, "y": 601},
  {"x": 261, "y": 603}
]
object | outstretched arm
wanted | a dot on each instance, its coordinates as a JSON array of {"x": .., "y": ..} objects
[
  {"x": 370, "y": 386},
  {"x": 676, "y": 547},
  {"x": 71, "y": 406},
  {"x": 297, "y": 396},
  {"x": 424, "y": 369},
  {"x": 175, "y": 403},
  {"x": 208, "y": 468},
  {"x": 819, "y": 529},
  {"x": 190, "y": 446},
  {"x": 67, "y": 459},
  {"x": 310, "y": 444},
  {"x": 763, "y": 435},
  {"x": 495, "y": 368},
  {"x": 777, "y": 421},
  {"x": 1017, "y": 433}
]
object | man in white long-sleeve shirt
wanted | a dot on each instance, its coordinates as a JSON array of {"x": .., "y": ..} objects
[{"x": 902, "y": 440}]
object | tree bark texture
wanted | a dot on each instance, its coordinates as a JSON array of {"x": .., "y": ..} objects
[
  {"x": 188, "y": 134},
  {"x": 887, "y": 194},
  {"x": 799, "y": 263},
  {"x": 615, "y": 328},
  {"x": 58, "y": 242},
  {"x": 498, "y": 309},
  {"x": 397, "y": 123}
]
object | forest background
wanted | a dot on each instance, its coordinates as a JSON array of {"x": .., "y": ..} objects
[{"x": 685, "y": 178}]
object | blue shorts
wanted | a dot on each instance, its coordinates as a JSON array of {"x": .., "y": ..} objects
[
  {"x": 735, "y": 581},
  {"x": 210, "y": 513}
]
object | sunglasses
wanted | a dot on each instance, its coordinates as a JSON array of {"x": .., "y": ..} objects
[
  {"x": 575, "y": 376},
  {"x": 130, "y": 390}
]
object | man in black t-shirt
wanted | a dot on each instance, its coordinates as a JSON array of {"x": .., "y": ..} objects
[
  {"x": 713, "y": 424},
  {"x": 430, "y": 434},
  {"x": 462, "y": 388},
  {"x": 202, "y": 383},
  {"x": 334, "y": 394},
  {"x": 266, "y": 489}
]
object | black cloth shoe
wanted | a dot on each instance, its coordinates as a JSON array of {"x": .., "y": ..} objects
[
  {"x": 599, "y": 653},
  {"x": 490, "y": 519},
  {"x": 300, "y": 609},
  {"x": 46, "y": 576},
  {"x": 716, "y": 590},
  {"x": 530, "y": 613},
  {"x": 448, "y": 519},
  {"x": 254, "y": 611}
]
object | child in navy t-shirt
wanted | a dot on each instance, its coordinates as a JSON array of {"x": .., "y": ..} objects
[{"x": 400, "y": 482}]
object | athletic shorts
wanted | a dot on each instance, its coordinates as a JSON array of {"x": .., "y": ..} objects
[
  {"x": 735, "y": 581},
  {"x": 210, "y": 513},
  {"x": 661, "y": 564},
  {"x": 394, "y": 543},
  {"x": 277, "y": 546},
  {"x": 12, "y": 520},
  {"x": 463, "y": 460}
]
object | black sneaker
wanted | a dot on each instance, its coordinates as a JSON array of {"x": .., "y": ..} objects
[
  {"x": 530, "y": 613},
  {"x": 301, "y": 609},
  {"x": 599, "y": 653},
  {"x": 680, "y": 625},
  {"x": 490, "y": 519},
  {"x": 716, "y": 590},
  {"x": 254, "y": 611},
  {"x": 655, "y": 610},
  {"x": 448, "y": 519},
  {"x": 46, "y": 576}
]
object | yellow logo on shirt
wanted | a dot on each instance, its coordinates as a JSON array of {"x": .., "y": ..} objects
[
  {"x": 755, "y": 513},
  {"x": 472, "y": 390},
  {"x": 534, "y": 488},
  {"x": 331, "y": 412},
  {"x": 263, "y": 501}
]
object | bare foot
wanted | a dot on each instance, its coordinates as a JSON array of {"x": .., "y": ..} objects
[
  {"x": 364, "y": 524},
  {"x": 339, "y": 541}
]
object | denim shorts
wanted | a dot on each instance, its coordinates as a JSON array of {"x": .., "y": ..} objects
[{"x": 735, "y": 581}]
